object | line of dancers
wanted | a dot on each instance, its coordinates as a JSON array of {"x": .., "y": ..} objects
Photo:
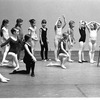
[{"x": 14, "y": 44}]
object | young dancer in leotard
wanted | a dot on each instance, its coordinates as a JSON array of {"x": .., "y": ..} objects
[
  {"x": 4, "y": 37},
  {"x": 28, "y": 59},
  {"x": 32, "y": 32},
  {"x": 62, "y": 53},
  {"x": 82, "y": 31},
  {"x": 18, "y": 26},
  {"x": 93, "y": 28},
  {"x": 71, "y": 39},
  {"x": 58, "y": 34},
  {"x": 43, "y": 40},
  {"x": 13, "y": 42}
]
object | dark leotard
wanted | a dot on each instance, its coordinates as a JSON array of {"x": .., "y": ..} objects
[
  {"x": 64, "y": 46},
  {"x": 27, "y": 58},
  {"x": 83, "y": 34},
  {"x": 44, "y": 46},
  {"x": 44, "y": 35},
  {"x": 13, "y": 45}
]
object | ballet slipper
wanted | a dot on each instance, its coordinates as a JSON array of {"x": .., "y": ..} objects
[
  {"x": 57, "y": 60},
  {"x": 71, "y": 60},
  {"x": 80, "y": 62},
  {"x": 3, "y": 64},
  {"x": 2, "y": 77},
  {"x": 92, "y": 62},
  {"x": 62, "y": 66},
  {"x": 5, "y": 61},
  {"x": 14, "y": 72},
  {"x": 3, "y": 80},
  {"x": 17, "y": 68},
  {"x": 7, "y": 79},
  {"x": 50, "y": 64}
]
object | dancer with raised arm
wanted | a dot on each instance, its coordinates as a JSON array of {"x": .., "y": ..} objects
[
  {"x": 93, "y": 28},
  {"x": 58, "y": 34}
]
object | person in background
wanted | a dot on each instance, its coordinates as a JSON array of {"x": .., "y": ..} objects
[
  {"x": 18, "y": 26},
  {"x": 33, "y": 33},
  {"x": 82, "y": 31},
  {"x": 13, "y": 43},
  {"x": 93, "y": 28},
  {"x": 71, "y": 39},
  {"x": 58, "y": 35},
  {"x": 43, "y": 40},
  {"x": 4, "y": 36}
]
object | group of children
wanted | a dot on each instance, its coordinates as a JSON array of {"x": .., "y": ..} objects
[
  {"x": 14, "y": 44},
  {"x": 67, "y": 39}
]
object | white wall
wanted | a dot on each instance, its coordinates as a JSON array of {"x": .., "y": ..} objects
[{"x": 50, "y": 10}]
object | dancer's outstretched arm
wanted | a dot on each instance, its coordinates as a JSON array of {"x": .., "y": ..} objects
[{"x": 64, "y": 22}]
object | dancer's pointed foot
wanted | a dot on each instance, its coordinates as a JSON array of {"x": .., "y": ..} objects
[
  {"x": 62, "y": 66},
  {"x": 57, "y": 60},
  {"x": 80, "y": 62},
  {"x": 50, "y": 64},
  {"x": 3, "y": 64},
  {"x": 14, "y": 72},
  {"x": 3, "y": 80},
  {"x": 6, "y": 78},
  {"x": 17, "y": 68},
  {"x": 92, "y": 61},
  {"x": 71, "y": 60},
  {"x": 5, "y": 61}
]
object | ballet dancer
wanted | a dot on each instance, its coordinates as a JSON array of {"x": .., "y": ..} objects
[
  {"x": 71, "y": 39},
  {"x": 82, "y": 31},
  {"x": 18, "y": 26},
  {"x": 93, "y": 28},
  {"x": 58, "y": 35},
  {"x": 43, "y": 40},
  {"x": 13, "y": 50},
  {"x": 33, "y": 33},
  {"x": 4, "y": 36},
  {"x": 62, "y": 53},
  {"x": 28, "y": 59}
]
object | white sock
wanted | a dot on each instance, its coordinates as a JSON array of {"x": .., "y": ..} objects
[{"x": 79, "y": 53}]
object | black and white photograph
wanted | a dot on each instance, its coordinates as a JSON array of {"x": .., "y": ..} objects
[{"x": 49, "y": 49}]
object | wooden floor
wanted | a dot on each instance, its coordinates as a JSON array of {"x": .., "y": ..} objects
[{"x": 78, "y": 80}]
